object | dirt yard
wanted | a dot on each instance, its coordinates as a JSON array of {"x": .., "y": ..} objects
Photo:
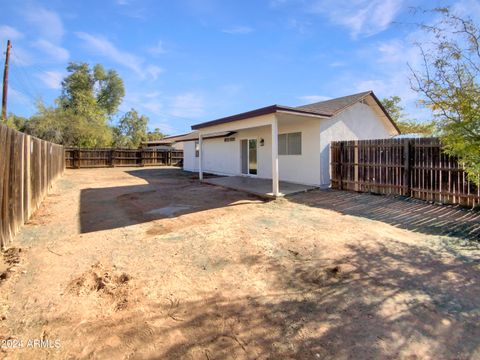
[{"x": 151, "y": 264}]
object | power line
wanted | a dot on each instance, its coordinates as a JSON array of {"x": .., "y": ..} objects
[
  {"x": 21, "y": 84},
  {"x": 25, "y": 77},
  {"x": 29, "y": 88},
  {"x": 29, "y": 104}
]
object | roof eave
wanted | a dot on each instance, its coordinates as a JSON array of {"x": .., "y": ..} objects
[{"x": 257, "y": 112}]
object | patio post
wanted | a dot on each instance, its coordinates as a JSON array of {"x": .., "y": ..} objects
[
  {"x": 200, "y": 151},
  {"x": 275, "y": 185}
]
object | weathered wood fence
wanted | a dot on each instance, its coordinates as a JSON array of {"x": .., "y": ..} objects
[
  {"x": 416, "y": 168},
  {"x": 76, "y": 158},
  {"x": 28, "y": 166}
]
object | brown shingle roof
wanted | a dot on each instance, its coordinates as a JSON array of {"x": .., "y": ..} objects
[
  {"x": 257, "y": 112},
  {"x": 326, "y": 108},
  {"x": 333, "y": 106}
]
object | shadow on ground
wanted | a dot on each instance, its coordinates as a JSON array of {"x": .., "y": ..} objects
[
  {"x": 405, "y": 213},
  {"x": 403, "y": 301},
  {"x": 168, "y": 193}
]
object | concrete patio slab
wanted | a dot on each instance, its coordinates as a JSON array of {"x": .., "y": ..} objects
[{"x": 256, "y": 186}]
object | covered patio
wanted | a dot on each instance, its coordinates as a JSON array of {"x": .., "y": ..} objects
[
  {"x": 251, "y": 162},
  {"x": 257, "y": 186}
]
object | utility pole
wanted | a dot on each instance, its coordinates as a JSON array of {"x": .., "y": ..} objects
[{"x": 5, "y": 82}]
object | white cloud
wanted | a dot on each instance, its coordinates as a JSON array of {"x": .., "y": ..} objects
[
  {"x": 301, "y": 26},
  {"x": 157, "y": 49},
  {"x": 156, "y": 107},
  {"x": 48, "y": 23},
  {"x": 362, "y": 17},
  {"x": 143, "y": 101},
  {"x": 309, "y": 99},
  {"x": 52, "y": 79},
  {"x": 388, "y": 73},
  {"x": 166, "y": 128},
  {"x": 9, "y": 33},
  {"x": 21, "y": 56},
  {"x": 16, "y": 96},
  {"x": 337, "y": 64},
  {"x": 153, "y": 94},
  {"x": 469, "y": 8},
  {"x": 153, "y": 71},
  {"x": 53, "y": 51},
  {"x": 104, "y": 47},
  {"x": 231, "y": 89},
  {"x": 238, "y": 30},
  {"x": 188, "y": 105}
]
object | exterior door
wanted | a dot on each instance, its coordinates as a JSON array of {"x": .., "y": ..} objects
[{"x": 249, "y": 156}]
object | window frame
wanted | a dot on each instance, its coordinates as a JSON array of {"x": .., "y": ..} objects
[{"x": 284, "y": 144}]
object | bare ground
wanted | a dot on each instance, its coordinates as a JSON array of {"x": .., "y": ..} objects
[{"x": 150, "y": 264}]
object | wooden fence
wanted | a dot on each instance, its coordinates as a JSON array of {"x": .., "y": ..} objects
[
  {"x": 411, "y": 167},
  {"x": 28, "y": 166},
  {"x": 76, "y": 158}
]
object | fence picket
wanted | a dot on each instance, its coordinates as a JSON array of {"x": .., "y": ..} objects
[
  {"x": 76, "y": 158},
  {"x": 411, "y": 167},
  {"x": 28, "y": 166}
]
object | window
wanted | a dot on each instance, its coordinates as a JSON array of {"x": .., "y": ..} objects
[
  {"x": 290, "y": 144},
  {"x": 229, "y": 139},
  {"x": 197, "y": 149}
]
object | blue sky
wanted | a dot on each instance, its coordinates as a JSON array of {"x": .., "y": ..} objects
[{"x": 195, "y": 60}]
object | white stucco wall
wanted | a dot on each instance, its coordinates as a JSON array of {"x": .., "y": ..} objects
[
  {"x": 358, "y": 122},
  {"x": 305, "y": 168},
  {"x": 190, "y": 162},
  {"x": 224, "y": 158}
]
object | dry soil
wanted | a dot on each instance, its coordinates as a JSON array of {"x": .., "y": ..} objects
[{"x": 150, "y": 264}]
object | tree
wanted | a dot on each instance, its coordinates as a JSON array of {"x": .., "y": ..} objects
[
  {"x": 156, "y": 134},
  {"x": 396, "y": 111},
  {"x": 82, "y": 112},
  {"x": 393, "y": 107},
  {"x": 413, "y": 127},
  {"x": 131, "y": 130},
  {"x": 16, "y": 122},
  {"x": 448, "y": 81},
  {"x": 65, "y": 127},
  {"x": 87, "y": 91}
]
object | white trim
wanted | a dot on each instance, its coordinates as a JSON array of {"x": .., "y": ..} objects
[
  {"x": 302, "y": 114},
  {"x": 248, "y": 155},
  {"x": 200, "y": 156},
  {"x": 275, "y": 182}
]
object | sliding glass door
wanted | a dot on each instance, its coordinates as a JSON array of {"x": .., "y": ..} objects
[{"x": 249, "y": 156}]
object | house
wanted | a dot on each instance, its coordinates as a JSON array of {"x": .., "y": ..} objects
[
  {"x": 166, "y": 143},
  {"x": 284, "y": 143}
]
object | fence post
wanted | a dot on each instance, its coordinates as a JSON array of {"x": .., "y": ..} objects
[
  {"x": 355, "y": 161},
  {"x": 112, "y": 157},
  {"x": 76, "y": 158},
  {"x": 406, "y": 156},
  {"x": 340, "y": 166}
]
